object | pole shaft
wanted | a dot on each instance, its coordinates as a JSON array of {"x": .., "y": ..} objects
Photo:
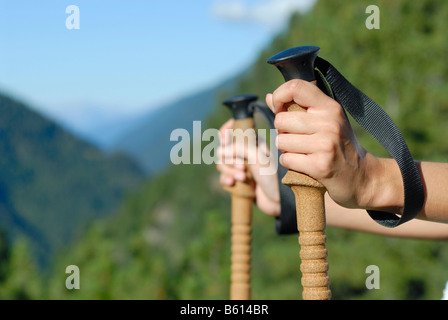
[
  {"x": 241, "y": 248},
  {"x": 310, "y": 207},
  {"x": 243, "y": 196}
]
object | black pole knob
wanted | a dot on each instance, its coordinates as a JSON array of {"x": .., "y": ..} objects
[
  {"x": 296, "y": 63},
  {"x": 242, "y": 106}
]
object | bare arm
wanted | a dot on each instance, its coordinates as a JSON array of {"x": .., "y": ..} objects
[
  {"x": 435, "y": 179},
  {"x": 359, "y": 220},
  {"x": 356, "y": 219},
  {"x": 321, "y": 144},
  {"x": 387, "y": 193}
]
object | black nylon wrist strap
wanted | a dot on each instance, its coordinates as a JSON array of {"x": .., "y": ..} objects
[
  {"x": 286, "y": 223},
  {"x": 372, "y": 118},
  {"x": 377, "y": 123}
]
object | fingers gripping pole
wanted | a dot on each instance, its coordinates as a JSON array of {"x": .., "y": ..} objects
[
  {"x": 298, "y": 63},
  {"x": 243, "y": 196},
  {"x": 310, "y": 208}
]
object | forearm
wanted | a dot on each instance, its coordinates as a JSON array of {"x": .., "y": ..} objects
[
  {"x": 435, "y": 180},
  {"x": 390, "y": 198},
  {"x": 359, "y": 220},
  {"x": 385, "y": 191}
]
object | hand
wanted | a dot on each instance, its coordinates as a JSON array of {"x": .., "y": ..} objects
[
  {"x": 266, "y": 186},
  {"x": 320, "y": 143}
]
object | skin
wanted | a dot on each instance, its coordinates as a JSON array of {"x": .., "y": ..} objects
[{"x": 321, "y": 144}]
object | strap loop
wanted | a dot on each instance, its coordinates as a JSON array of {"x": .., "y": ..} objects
[{"x": 370, "y": 116}]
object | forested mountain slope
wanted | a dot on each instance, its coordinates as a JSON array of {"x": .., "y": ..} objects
[
  {"x": 52, "y": 183},
  {"x": 171, "y": 240}
]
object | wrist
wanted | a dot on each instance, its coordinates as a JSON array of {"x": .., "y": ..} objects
[{"x": 383, "y": 186}]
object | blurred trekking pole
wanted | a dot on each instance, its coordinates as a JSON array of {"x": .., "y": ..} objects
[{"x": 243, "y": 196}]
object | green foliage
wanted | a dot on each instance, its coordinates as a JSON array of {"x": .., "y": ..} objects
[
  {"x": 171, "y": 240},
  {"x": 167, "y": 244},
  {"x": 51, "y": 183},
  {"x": 402, "y": 65},
  {"x": 143, "y": 254},
  {"x": 19, "y": 276}
]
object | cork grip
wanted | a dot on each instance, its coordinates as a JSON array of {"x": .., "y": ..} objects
[
  {"x": 310, "y": 206},
  {"x": 243, "y": 195}
]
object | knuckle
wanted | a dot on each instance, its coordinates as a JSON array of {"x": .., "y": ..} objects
[
  {"x": 295, "y": 84},
  {"x": 327, "y": 145},
  {"x": 323, "y": 168},
  {"x": 280, "y": 141},
  {"x": 335, "y": 107},
  {"x": 339, "y": 112},
  {"x": 279, "y": 120},
  {"x": 332, "y": 127},
  {"x": 336, "y": 112}
]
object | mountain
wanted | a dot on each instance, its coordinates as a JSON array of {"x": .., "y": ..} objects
[
  {"x": 171, "y": 239},
  {"x": 51, "y": 183},
  {"x": 148, "y": 142},
  {"x": 95, "y": 123}
]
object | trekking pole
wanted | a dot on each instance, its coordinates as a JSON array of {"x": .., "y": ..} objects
[
  {"x": 298, "y": 63},
  {"x": 243, "y": 196}
]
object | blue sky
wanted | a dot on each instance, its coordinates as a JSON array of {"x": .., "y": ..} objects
[{"x": 129, "y": 55}]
